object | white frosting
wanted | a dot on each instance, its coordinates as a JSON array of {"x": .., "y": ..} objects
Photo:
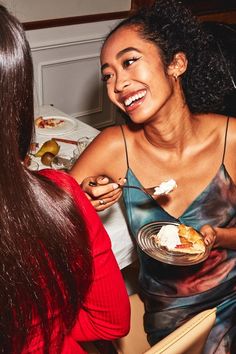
[
  {"x": 168, "y": 236},
  {"x": 165, "y": 187}
]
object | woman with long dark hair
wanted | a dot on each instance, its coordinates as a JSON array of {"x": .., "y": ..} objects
[{"x": 57, "y": 271}]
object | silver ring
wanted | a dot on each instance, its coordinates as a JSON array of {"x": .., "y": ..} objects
[{"x": 102, "y": 202}]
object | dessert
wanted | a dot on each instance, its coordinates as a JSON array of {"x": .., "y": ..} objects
[
  {"x": 42, "y": 123},
  {"x": 180, "y": 239},
  {"x": 165, "y": 187}
]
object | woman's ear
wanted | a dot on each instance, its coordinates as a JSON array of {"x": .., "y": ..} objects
[{"x": 178, "y": 65}]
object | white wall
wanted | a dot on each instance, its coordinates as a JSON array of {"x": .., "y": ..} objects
[
  {"x": 34, "y": 10},
  {"x": 67, "y": 71}
]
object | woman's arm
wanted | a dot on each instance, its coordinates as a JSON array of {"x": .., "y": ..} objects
[
  {"x": 225, "y": 237},
  {"x": 103, "y": 157}
]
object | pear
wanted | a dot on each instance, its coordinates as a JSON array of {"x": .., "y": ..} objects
[
  {"x": 47, "y": 158},
  {"x": 49, "y": 146}
]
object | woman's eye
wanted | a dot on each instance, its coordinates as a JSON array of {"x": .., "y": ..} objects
[
  {"x": 106, "y": 77},
  {"x": 129, "y": 62}
]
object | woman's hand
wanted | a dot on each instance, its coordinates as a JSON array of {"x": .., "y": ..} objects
[
  {"x": 220, "y": 236},
  {"x": 101, "y": 192},
  {"x": 209, "y": 234}
]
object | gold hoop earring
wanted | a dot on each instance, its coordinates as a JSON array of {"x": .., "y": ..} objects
[{"x": 175, "y": 76}]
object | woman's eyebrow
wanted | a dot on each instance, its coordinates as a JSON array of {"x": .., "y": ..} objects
[
  {"x": 119, "y": 54},
  {"x": 125, "y": 50}
]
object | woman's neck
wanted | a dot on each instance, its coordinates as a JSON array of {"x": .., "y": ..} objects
[{"x": 172, "y": 132}]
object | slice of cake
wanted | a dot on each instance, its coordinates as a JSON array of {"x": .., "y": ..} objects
[{"x": 180, "y": 239}]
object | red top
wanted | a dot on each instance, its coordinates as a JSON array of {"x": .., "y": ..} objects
[{"x": 106, "y": 311}]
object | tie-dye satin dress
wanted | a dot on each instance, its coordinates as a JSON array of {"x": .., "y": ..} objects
[{"x": 173, "y": 294}]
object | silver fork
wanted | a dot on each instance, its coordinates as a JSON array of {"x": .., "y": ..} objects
[
  {"x": 147, "y": 191},
  {"x": 164, "y": 188}
]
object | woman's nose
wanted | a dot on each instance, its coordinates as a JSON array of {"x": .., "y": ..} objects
[{"x": 122, "y": 81}]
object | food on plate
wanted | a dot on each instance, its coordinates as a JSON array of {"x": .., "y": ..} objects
[
  {"x": 49, "y": 146},
  {"x": 165, "y": 187},
  {"x": 49, "y": 123},
  {"x": 180, "y": 239},
  {"x": 47, "y": 158}
]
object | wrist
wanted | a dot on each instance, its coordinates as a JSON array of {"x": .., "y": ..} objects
[{"x": 225, "y": 237}]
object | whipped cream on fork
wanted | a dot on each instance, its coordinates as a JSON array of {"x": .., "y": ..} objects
[{"x": 165, "y": 187}]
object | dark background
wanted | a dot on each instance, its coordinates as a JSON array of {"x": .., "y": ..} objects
[{"x": 212, "y": 6}]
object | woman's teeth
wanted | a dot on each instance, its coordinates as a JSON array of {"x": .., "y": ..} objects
[{"x": 133, "y": 98}]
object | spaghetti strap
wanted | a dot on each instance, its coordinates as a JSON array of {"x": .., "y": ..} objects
[
  {"x": 226, "y": 131},
  {"x": 126, "y": 150}
]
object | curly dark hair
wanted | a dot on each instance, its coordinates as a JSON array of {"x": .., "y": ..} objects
[{"x": 173, "y": 28}]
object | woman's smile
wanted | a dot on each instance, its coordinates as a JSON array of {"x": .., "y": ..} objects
[{"x": 132, "y": 101}]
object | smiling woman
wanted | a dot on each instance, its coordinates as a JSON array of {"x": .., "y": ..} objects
[{"x": 166, "y": 73}]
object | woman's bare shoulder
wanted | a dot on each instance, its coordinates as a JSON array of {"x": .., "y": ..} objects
[
  {"x": 230, "y": 160},
  {"x": 232, "y": 123},
  {"x": 225, "y": 124},
  {"x": 231, "y": 134},
  {"x": 111, "y": 133},
  {"x": 218, "y": 122},
  {"x": 114, "y": 136},
  {"x": 105, "y": 146},
  {"x": 225, "y": 128}
]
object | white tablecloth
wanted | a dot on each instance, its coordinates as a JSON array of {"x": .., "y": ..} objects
[{"x": 113, "y": 218}]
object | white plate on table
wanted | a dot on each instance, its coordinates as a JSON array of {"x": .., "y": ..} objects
[
  {"x": 151, "y": 248},
  {"x": 69, "y": 125}
]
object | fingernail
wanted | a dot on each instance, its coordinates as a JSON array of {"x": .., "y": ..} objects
[
  {"x": 122, "y": 179},
  {"x": 115, "y": 185},
  {"x": 102, "y": 178}
]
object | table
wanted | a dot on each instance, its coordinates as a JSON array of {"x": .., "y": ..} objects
[{"x": 113, "y": 218}]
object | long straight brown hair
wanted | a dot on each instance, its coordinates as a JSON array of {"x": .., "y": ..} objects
[{"x": 45, "y": 261}]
